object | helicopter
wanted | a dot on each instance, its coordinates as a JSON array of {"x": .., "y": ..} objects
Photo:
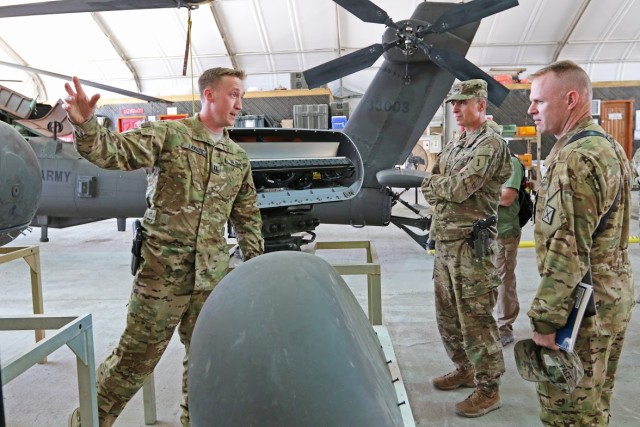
[{"x": 353, "y": 179}]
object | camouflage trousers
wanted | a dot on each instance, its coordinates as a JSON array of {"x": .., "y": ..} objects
[
  {"x": 590, "y": 403},
  {"x": 162, "y": 299},
  {"x": 507, "y": 304},
  {"x": 465, "y": 300}
]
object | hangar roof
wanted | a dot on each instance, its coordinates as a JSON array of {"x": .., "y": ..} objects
[{"x": 143, "y": 50}]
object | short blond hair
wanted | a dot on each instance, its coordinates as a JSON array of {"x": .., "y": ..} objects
[
  {"x": 570, "y": 72},
  {"x": 213, "y": 75}
]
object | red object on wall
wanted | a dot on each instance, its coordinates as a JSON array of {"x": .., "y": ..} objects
[
  {"x": 504, "y": 79},
  {"x": 172, "y": 116},
  {"x": 130, "y": 122}
]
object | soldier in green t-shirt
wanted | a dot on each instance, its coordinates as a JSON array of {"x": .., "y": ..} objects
[{"x": 507, "y": 304}]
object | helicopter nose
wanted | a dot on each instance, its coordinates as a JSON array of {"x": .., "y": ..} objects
[{"x": 20, "y": 184}]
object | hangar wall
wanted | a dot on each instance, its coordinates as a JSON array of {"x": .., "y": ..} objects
[
  {"x": 514, "y": 110},
  {"x": 275, "y": 105}
]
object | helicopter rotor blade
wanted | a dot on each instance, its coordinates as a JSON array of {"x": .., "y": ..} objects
[
  {"x": 366, "y": 11},
  {"x": 124, "y": 92},
  {"x": 466, "y": 13},
  {"x": 461, "y": 68},
  {"x": 75, "y": 6},
  {"x": 344, "y": 65}
]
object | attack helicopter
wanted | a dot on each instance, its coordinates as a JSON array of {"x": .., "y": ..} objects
[{"x": 305, "y": 177}]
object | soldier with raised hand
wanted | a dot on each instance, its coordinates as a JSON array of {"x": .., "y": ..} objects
[
  {"x": 581, "y": 223},
  {"x": 464, "y": 188},
  {"x": 198, "y": 180}
]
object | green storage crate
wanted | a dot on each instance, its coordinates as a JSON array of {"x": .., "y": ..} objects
[
  {"x": 250, "y": 121},
  {"x": 314, "y": 116},
  {"x": 508, "y": 130}
]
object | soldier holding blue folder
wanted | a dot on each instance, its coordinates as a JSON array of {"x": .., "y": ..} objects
[{"x": 581, "y": 224}]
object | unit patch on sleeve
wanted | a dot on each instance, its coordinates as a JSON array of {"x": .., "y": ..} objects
[
  {"x": 479, "y": 161},
  {"x": 548, "y": 213}
]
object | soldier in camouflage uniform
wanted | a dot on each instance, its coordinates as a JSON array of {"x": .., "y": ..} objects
[
  {"x": 584, "y": 180},
  {"x": 199, "y": 179},
  {"x": 464, "y": 187}
]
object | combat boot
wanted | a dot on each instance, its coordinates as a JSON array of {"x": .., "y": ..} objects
[
  {"x": 479, "y": 403},
  {"x": 74, "y": 418},
  {"x": 506, "y": 338},
  {"x": 461, "y": 377}
]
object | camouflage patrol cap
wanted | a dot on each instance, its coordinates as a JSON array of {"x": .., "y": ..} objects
[
  {"x": 476, "y": 88},
  {"x": 561, "y": 368}
]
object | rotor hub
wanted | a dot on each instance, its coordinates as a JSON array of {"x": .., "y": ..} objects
[{"x": 406, "y": 35}]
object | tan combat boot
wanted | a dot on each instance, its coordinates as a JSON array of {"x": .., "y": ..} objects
[
  {"x": 74, "y": 418},
  {"x": 479, "y": 403},
  {"x": 452, "y": 380}
]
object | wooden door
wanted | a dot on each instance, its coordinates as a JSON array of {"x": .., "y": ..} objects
[{"x": 616, "y": 117}]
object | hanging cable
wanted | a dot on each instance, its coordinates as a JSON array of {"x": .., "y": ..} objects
[
  {"x": 193, "y": 90},
  {"x": 186, "y": 48},
  {"x": 188, "y": 51}
]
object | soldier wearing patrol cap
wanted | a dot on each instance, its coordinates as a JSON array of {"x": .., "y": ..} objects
[
  {"x": 464, "y": 187},
  {"x": 469, "y": 89},
  {"x": 581, "y": 224}
]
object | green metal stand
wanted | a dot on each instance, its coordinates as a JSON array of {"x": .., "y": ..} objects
[{"x": 77, "y": 333}]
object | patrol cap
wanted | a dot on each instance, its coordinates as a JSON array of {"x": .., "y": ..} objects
[
  {"x": 476, "y": 88},
  {"x": 560, "y": 368}
]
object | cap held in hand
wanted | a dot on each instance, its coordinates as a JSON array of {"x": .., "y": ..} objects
[{"x": 560, "y": 368}]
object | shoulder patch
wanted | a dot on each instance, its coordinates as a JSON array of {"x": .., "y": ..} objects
[
  {"x": 550, "y": 210},
  {"x": 480, "y": 158},
  {"x": 478, "y": 163},
  {"x": 548, "y": 213}
]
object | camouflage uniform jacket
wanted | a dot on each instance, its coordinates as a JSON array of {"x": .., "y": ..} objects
[
  {"x": 580, "y": 186},
  {"x": 195, "y": 185},
  {"x": 466, "y": 181}
]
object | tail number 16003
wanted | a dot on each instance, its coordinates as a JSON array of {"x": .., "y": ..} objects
[{"x": 386, "y": 106}]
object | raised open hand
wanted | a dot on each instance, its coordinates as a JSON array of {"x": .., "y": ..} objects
[{"x": 79, "y": 108}]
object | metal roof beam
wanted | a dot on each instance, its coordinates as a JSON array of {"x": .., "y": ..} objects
[
  {"x": 565, "y": 39},
  {"x": 35, "y": 78},
  {"x": 223, "y": 34},
  {"x": 116, "y": 46}
]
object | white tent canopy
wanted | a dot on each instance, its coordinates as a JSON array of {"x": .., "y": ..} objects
[{"x": 143, "y": 50}]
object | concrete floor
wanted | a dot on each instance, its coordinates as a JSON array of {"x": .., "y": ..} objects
[{"x": 85, "y": 269}]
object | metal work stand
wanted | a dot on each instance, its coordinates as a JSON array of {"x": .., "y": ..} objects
[
  {"x": 31, "y": 255},
  {"x": 77, "y": 333},
  {"x": 371, "y": 268}
]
